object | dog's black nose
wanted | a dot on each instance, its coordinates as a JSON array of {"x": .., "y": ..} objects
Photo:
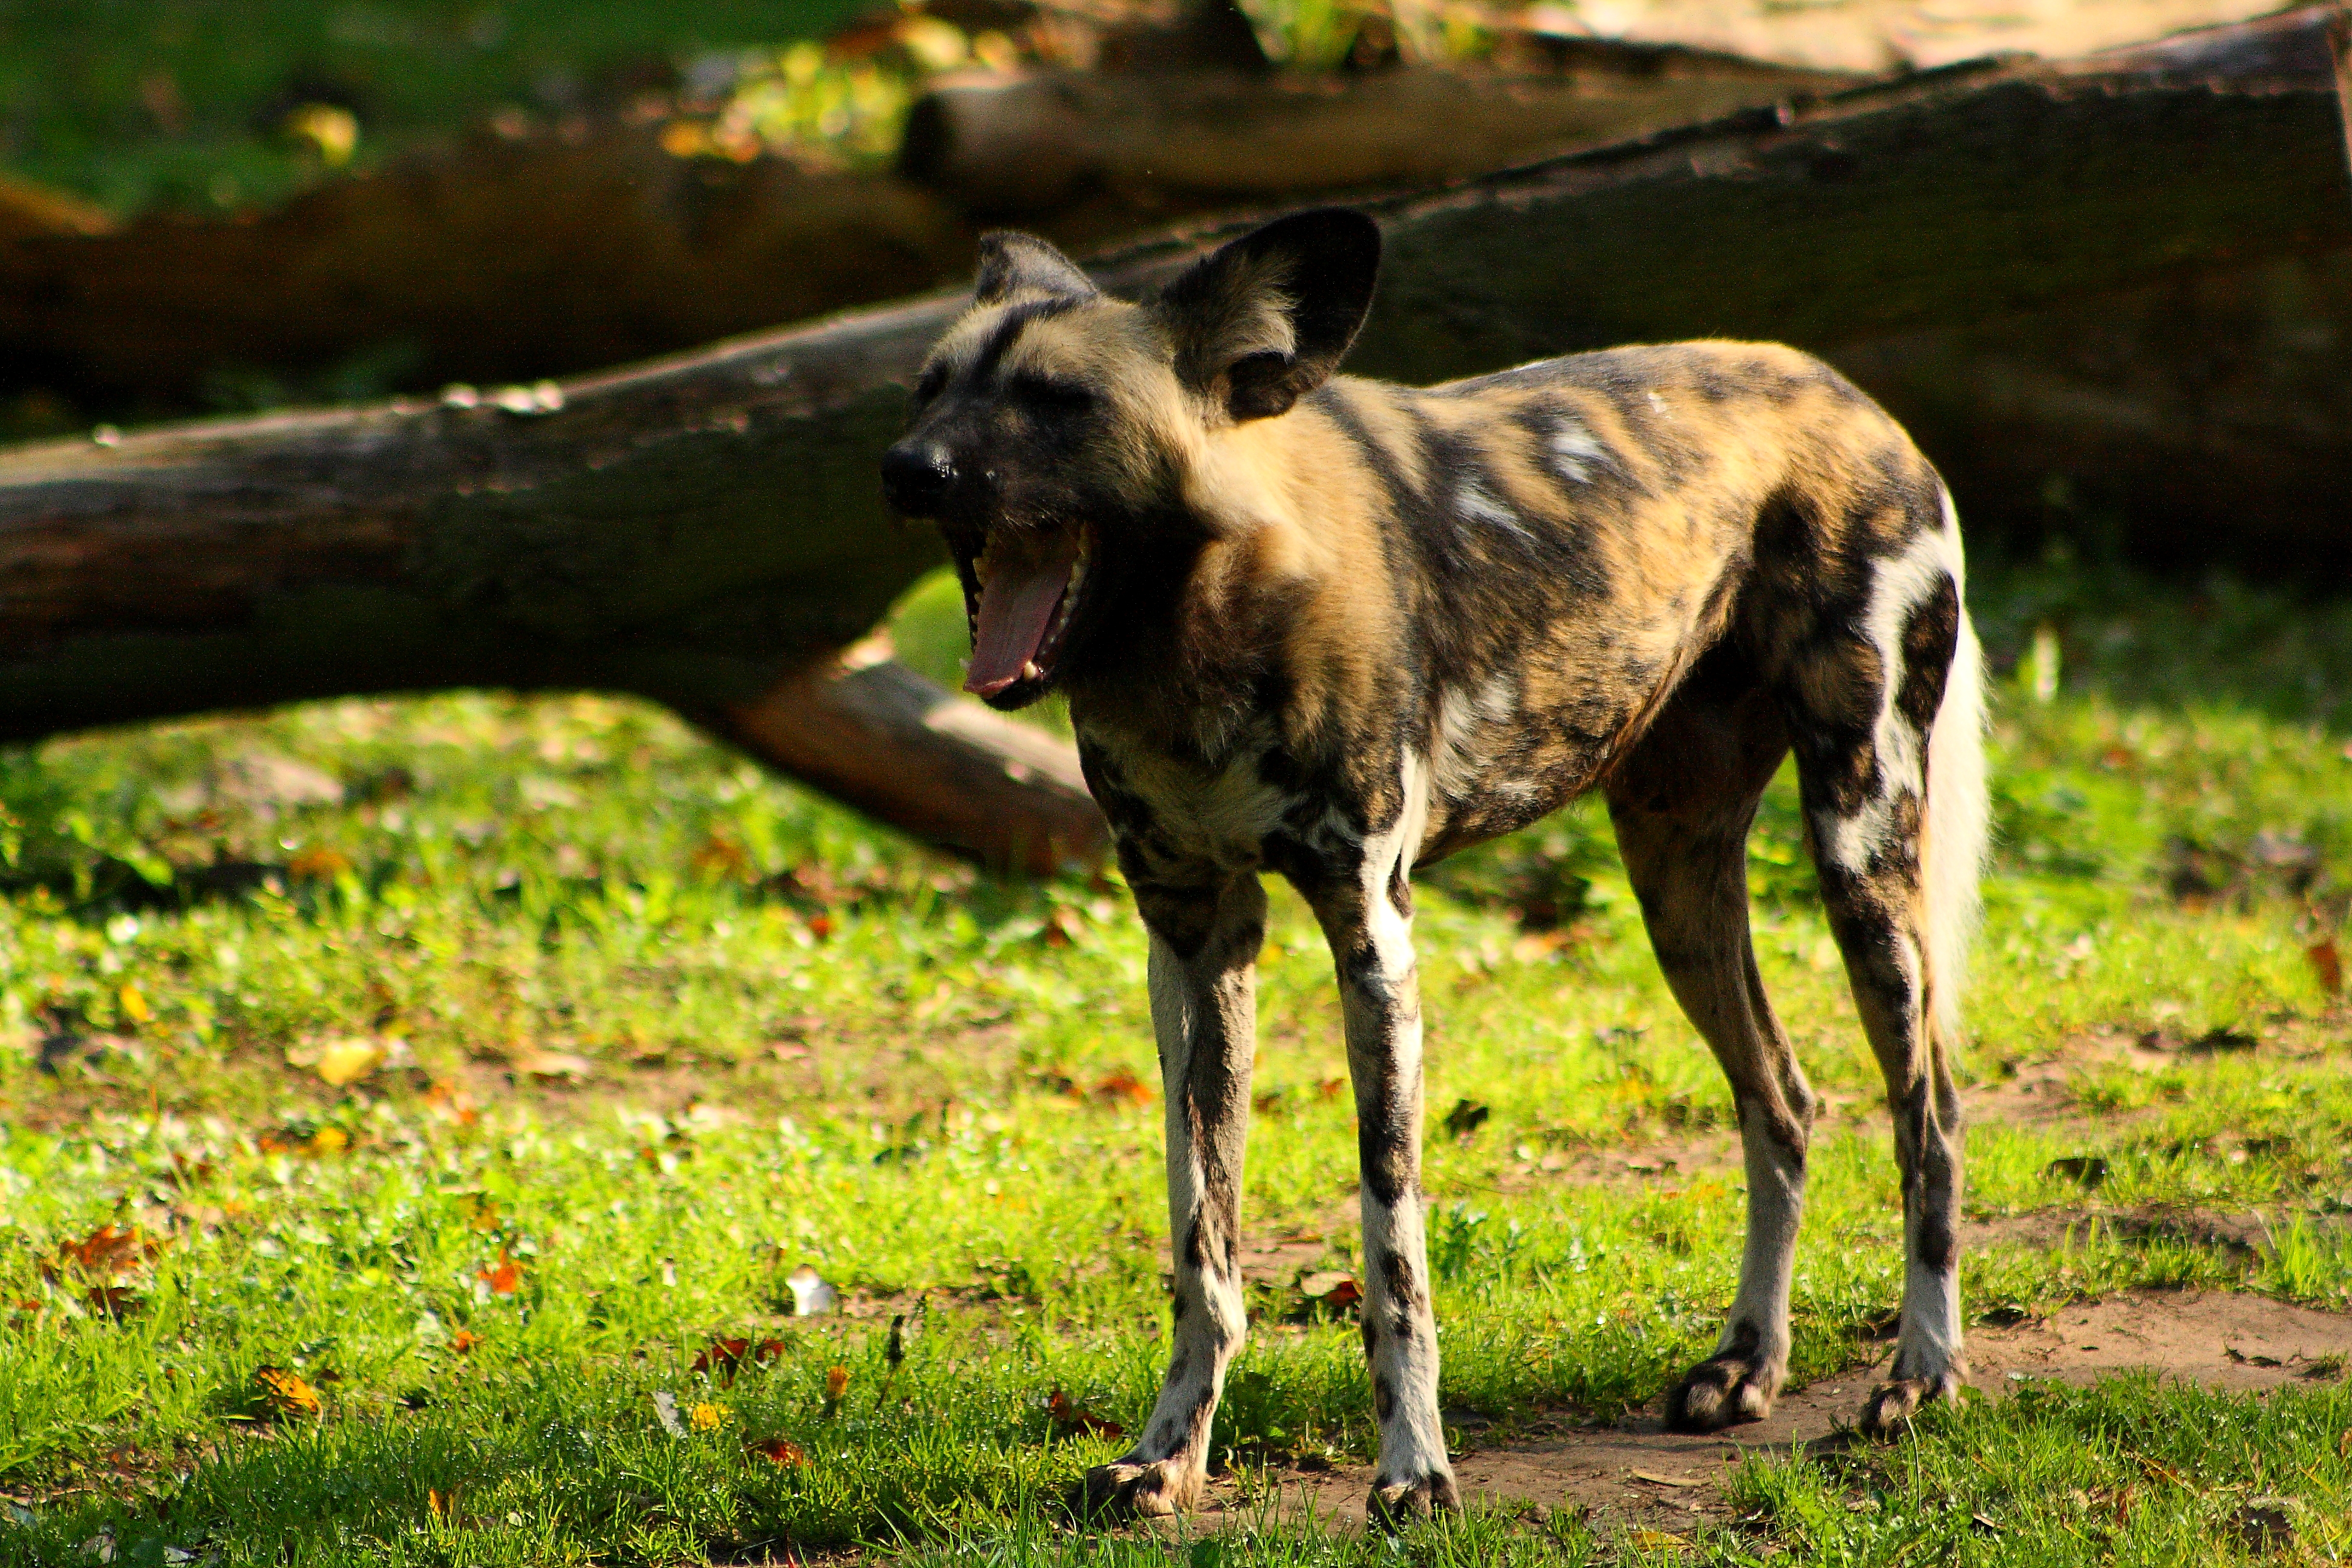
[{"x": 916, "y": 476}]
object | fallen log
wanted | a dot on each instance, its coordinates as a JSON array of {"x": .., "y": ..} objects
[
  {"x": 705, "y": 530},
  {"x": 2207, "y": 418},
  {"x": 1021, "y": 146},
  {"x": 504, "y": 257}
]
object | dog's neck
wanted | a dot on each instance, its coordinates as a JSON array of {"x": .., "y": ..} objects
[{"x": 1265, "y": 617}]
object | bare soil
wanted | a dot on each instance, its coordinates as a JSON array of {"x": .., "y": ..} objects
[{"x": 1636, "y": 1475}]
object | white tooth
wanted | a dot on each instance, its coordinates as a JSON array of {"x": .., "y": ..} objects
[{"x": 1029, "y": 671}]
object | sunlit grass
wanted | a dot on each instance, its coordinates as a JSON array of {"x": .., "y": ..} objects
[{"x": 655, "y": 1031}]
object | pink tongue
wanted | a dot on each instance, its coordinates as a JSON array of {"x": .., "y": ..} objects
[{"x": 1014, "y": 610}]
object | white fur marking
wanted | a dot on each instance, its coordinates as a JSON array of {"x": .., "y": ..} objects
[
  {"x": 1574, "y": 449},
  {"x": 1476, "y": 505}
]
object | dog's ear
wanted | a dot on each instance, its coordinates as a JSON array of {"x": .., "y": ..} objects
[
  {"x": 1267, "y": 319},
  {"x": 1013, "y": 263}
]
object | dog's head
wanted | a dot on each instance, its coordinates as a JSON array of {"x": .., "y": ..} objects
[{"x": 1055, "y": 428}]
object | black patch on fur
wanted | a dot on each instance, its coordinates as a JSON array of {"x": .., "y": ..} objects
[
  {"x": 1930, "y": 637},
  {"x": 1383, "y": 1397},
  {"x": 1009, "y": 328},
  {"x": 1400, "y": 891}
]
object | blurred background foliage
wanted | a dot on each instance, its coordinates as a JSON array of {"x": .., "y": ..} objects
[{"x": 208, "y": 104}]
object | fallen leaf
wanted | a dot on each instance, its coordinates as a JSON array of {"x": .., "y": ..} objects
[
  {"x": 1070, "y": 1418},
  {"x": 285, "y": 1392},
  {"x": 2327, "y": 963},
  {"x": 451, "y": 1103},
  {"x": 768, "y": 1350},
  {"x": 812, "y": 1297},
  {"x": 722, "y": 857},
  {"x": 328, "y": 1141},
  {"x": 1330, "y": 1087},
  {"x": 464, "y": 1340},
  {"x": 1655, "y": 1541},
  {"x": 1326, "y": 1293},
  {"x": 317, "y": 863},
  {"x": 132, "y": 1002},
  {"x": 708, "y": 1417},
  {"x": 544, "y": 1064},
  {"x": 116, "y": 1302},
  {"x": 504, "y": 1279},
  {"x": 340, "y": 1062},
  {"x": 105, "y": 1253},
  {"x": 434, "y": 1506},
  {"x": 1655, "y": 1479},
  {"x": 780, "y": 1452},
  {"x": 1538, "y": 945},
  {"x": 723, "y": 1357},
  {"x": 1123, "y": 1085},
  {"x": 837, "y": 1382}
]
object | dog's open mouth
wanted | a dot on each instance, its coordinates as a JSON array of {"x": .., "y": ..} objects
[{"x": 1028, "y": 592}]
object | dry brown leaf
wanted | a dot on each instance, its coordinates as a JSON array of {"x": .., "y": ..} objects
[
  {"x": 317, "y": 863},
  {"x": 1123, "y": 1087},
  {"x": 2327, "y": 963},
  {"x": 105, "y": 1253},
  {"x": 504, "y": 1279},
  {"x": 1069, "y": 1416},
  {"x": 286, "y": 1392}
]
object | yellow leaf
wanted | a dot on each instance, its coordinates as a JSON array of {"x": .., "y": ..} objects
[
  {"x": 134, "y": 1004},
  {"x": 330, "y": 1140},
  {"x": 707, "y": 1417},
  {"x": 286, "y": 1392},
  {"x": 342, "y": 1062}
]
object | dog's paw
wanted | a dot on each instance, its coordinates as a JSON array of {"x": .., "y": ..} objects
[
  {"x": 1893, "y": 1403},
  {"x": 1413, "y": 1497},
  {"x": 1126, "y": 1489},
  {"x": 1722, "y": 1392}
]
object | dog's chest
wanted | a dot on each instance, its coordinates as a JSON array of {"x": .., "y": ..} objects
[{"x": 1180, "y": 815}]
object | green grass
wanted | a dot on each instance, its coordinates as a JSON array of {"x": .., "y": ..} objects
[
  {"x": 659, "y": 1030},
  {"x": 139, "y": 103}
]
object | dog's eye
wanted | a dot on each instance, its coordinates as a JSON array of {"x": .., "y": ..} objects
[
  {"x": 934, "y": 381},
  {"x": 1053, "y": 396}
]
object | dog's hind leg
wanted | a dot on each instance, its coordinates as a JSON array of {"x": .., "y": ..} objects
[
  {"x": 1203, "y": 966},
  {"x": 1887, "y": 720},
  {"x": 1681, "y": 802},
  {"x": 1367, "y": 916}
]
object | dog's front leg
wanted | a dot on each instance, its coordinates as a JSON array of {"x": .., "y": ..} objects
[
  {"x": 1368, "y": 922},
  {"x": 1203, "y": 966}
]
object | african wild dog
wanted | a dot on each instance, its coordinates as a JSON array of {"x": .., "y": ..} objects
[{"x": 1338, "y": 629}]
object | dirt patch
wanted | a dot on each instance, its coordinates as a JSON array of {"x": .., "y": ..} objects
[{"x": 1636, "y": 1475}]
